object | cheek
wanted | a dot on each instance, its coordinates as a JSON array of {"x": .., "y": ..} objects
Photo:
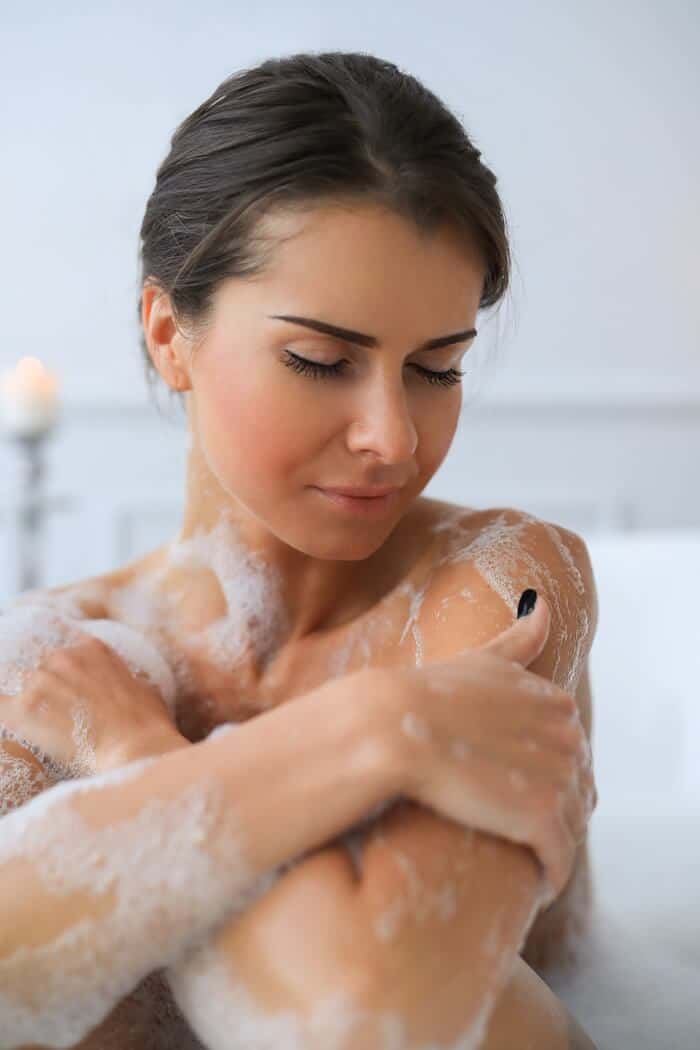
[
  {"x": 254, "y": 424},
  {"x": 250, "y": 426},
  {"x": 436, "y": 432}
]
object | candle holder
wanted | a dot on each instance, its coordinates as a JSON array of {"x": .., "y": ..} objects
[
  {"x": 28, "y": 412},
  {"x": 32, "y": 507}
]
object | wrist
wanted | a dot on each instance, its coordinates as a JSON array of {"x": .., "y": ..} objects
[
  {"x": 308, "y": 769},
  {"x": 150, "y": 745},
  {"x": 387, "y": 691},
  {"x": 383, "y": 698}
]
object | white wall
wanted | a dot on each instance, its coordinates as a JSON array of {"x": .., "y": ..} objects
[{"x": 588, "y": 404}]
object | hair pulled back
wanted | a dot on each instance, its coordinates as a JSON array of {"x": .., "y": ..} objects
[{"x": 297, "y": 132}]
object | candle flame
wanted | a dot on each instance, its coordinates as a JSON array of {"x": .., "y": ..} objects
[
  {"x": 28, "y": 397},
  {"x": 29, "y": 366}
]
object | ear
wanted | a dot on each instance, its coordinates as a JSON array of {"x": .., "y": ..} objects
[{"x": 166, "y": 345}]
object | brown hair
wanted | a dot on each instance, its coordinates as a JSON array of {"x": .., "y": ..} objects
[{"x": 299, "y": 131}]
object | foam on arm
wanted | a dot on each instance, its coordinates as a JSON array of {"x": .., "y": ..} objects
[
  {"x": 23, "y": 775},
  {"x": 439, "y": 898},
  {"x": 105, "y": 879}
]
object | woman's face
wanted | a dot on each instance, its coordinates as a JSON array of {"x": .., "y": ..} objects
[{"x": 272, "y": 435}]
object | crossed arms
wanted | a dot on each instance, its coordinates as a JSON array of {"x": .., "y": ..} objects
[{"x": 399, "y": 940}]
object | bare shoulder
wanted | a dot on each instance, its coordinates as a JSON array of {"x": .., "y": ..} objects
[
  {"x": 82, "y": 600},
  {"x": 40, "y": 620},
  {"x": 89, "y": 598},
  {"x": 483, "y": 562}
]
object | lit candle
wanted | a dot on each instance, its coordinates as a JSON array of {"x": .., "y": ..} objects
[{"x": 28, "y": 398}]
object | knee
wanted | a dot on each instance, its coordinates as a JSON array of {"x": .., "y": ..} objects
[
  {"x": 578, "y": 1040},
  {"x": 528, "y": 1013}
]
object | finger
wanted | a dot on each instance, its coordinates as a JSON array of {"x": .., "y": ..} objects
[
  {"x": 572, "y": 811},
  {"x": 557, "y": 849},
  {"x": 524, "y": 640}
]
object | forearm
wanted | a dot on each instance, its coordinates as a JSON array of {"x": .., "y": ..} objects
[
  {"x": 245, "y": 977},
  {"x": 439, "y": 928},
  {"x": 257, "y": 979},
  {"x": 105, "y": 879},
  {"x": 424, "y": 948},
  {"x": 445, "y": 911},
  {"x": 272, "y": 970},
  {"x": 432, "y": 935}
]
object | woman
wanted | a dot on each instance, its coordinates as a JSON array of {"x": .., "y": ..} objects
[{"x": 319, "y": 242}]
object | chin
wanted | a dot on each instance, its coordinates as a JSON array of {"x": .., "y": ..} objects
[{"x": 357, "y": 547}]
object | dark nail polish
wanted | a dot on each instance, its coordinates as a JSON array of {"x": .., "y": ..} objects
[{"x": 527, "y": 602}]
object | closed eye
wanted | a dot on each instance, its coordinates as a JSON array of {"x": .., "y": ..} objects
[{"x": 317, "y": 371}]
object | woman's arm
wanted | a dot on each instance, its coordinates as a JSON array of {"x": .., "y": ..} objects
[
  {"x": 552, "y": 940},
  {"x": 301, "y": 964},
  {"x": 414, "y": 959},
  {"x": 447, "y": 910},
  {"x": 433, "y": 900},
  {"x": 556, "y": 563},
  {"x": 104, "y": 879},
  {"x": 442, "y": 914},
  {"x": 405, "y": 863}
]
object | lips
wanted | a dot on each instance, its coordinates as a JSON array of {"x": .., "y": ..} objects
[
  {"x": 363, "y": 492},
  {"x": 364, "y": 506}
]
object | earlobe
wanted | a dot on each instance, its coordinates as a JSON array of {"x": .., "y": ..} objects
[
  {"x": 160, "y": 330},
  {"x": 173, "y": 374},
  {"x": 181, "y": 383},
  {"x": 166, "y": 362},
  {"x": 162, "y": 335}
]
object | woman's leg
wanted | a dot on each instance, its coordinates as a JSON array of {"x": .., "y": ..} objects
[
  {"x": 578, "y": 1040},
  {"x": 528, "y": 1015}
]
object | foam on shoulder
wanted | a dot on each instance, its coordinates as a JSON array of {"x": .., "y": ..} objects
[
  {"x": 39, "y": 623},
  {"x": 28, "y": 633},
  {"x": 138, "y": 653}
]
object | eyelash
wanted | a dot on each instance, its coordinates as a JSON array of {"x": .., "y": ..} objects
[{"x": 312, "y": 368}]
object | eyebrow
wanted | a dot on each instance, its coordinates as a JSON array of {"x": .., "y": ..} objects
[{"x": 348, "y": 336}]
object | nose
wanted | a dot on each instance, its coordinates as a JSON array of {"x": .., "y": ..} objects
[{"x": 384, "y": 425}]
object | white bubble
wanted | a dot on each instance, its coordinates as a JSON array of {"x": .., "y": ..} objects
[
  {"x": 415, "y": 727},
  {"x": 138, "y": 653},
  {"x": 168, "y": 890}
]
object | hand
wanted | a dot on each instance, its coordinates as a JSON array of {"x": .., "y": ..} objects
[
  {"x": 86, "y": 710},
  {"x": 496, "y": 747}
]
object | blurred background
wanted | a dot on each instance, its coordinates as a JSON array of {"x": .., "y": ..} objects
[{"x": 584, "y": 403}]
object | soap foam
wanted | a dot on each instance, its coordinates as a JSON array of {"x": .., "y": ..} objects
[
  {"x": 255, "y": 620},
  {"x": 169, "y": 892},
  {"x": 255, "y": 617},
  {"x": 415, "y": 727},
  {"x": 420, "y": 900},
  {"x": 500, "y": 553},
  {"x": 138, "y": 653},
  {"x": 19, "y": 781},
  {"x": 226, "y": 1016},
  {"x": 251, "y": 624},
  {"x": 29, "y": 632}
]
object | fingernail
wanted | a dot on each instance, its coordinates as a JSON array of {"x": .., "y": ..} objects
[{"x": 527, "y": 602}]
